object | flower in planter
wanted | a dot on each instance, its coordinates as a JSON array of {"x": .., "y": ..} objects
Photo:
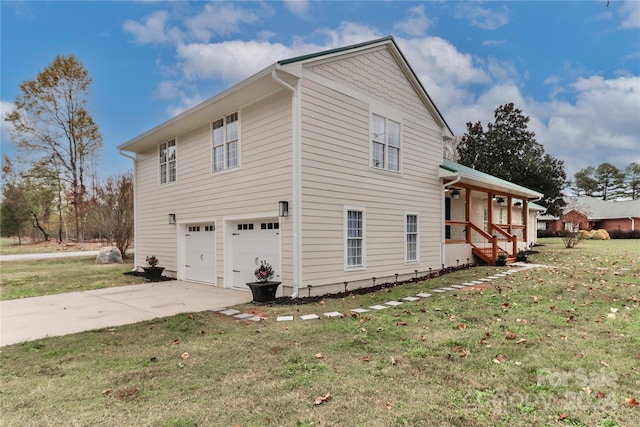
[
  {"x": 264, "y": 273},
  {"x": 152, "y": 260}
]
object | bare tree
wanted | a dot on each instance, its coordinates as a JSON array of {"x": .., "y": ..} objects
[
  {"x": 51, "y": 121},
  {"x": 112, "y": 211}
]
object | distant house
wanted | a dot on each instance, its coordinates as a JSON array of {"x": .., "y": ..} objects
[
  {"x": 328, "y": 166},
  {"x": 589, "y": 213}
]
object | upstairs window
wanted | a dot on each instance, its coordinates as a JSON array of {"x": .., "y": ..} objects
[
  {"x": 225, "y": 133},
  {"x": 167, "y": 159},
  {"x": 385, "y": 140}
]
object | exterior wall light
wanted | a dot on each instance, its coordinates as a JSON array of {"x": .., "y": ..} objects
[
  {"x": 283, "y": 209},
  {"x": 172, "y": 218}
]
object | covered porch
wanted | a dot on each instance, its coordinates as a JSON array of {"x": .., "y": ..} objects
[{"x": 485, "y": 217}]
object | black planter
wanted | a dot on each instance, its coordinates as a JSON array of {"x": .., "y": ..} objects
[
  {"x": 153, "y": 274},
  {"x": 263, "y": 292}
]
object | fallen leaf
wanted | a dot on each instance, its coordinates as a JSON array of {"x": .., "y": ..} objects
[
  {"x": 563, "y": 337},
  {"x": 510, "y": 335},
  {"x": 587, "y": 390},
  {"x": 603, "y": 363},
  {"x": 190, "y": 316},
  {"x": 318, "y": 355},
  {"x": 521, "y": 340},
  {"x": 499, "y": 359},
  {"x": 366, "y": 358},
  {"x": 631, "y": 401},
  {"x": 402, "y": 323},
  {"x": 176, "y": 341},
  {"x": 600, "y": 395},
  {"x": 388, "y": 405},
  {"x": 106, "y": 391},
  {"x": 363, "y": 329},
  {"x": 393, "y": 361},
  {"x": 184, "y": 355},
  {"x": 562, "y": 416},
  {"x": 462, "y": 326},
  {"x": 321, "y": 399}
]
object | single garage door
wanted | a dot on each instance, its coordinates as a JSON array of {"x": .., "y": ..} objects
[
  {"x": 200, "y": 262},
  {"x": 253, "y": 242}
]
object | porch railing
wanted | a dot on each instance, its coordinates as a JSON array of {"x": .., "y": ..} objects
[{"x": 485, "y": 245}]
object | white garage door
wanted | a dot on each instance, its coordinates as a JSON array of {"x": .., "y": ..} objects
[
  {"x": 253, "y": 242},
  {"x": 200, "y": 240}
]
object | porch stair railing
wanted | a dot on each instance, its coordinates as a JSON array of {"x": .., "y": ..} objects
[{"x": 488, "y": 247}]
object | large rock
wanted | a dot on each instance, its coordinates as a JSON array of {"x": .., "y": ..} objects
[{"x": 109, "y": 255}]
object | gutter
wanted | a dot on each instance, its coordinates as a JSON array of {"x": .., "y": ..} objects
[
  {"x": 443, "y": 253},
  {"x": 297, "y": 180},
  {"x": 135, "y": 216}
]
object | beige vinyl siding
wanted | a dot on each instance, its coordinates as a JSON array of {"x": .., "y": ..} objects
[
  {"x": 336, "y": 174},
  {"x": 263, "y": 178}
]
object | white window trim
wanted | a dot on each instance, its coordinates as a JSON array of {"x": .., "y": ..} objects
[
  {"x": 363, "y": 266},
  {"x": 417, "y": 260},
  {"x": 225, "y": 144},
  {"x": 159, "y": 175},
  {"x": 386, "y": 116}
]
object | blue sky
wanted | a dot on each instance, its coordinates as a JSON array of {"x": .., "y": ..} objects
[{"x": 573, "y": 67}]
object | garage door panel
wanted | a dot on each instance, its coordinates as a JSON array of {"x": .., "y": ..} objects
[
  {"x": 200, "y": 253},
  {"x": 253, "y": 243}
]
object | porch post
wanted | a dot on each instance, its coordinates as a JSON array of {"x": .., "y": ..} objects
[
  {"x": 525, "y": 219},
  {"x": 490, "y": 213},
  {"x": 467, "y": 213},
  {"x": 510, "y": 215}
]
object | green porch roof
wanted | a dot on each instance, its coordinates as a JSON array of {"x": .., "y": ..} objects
[{"x": 472, "y": 176}]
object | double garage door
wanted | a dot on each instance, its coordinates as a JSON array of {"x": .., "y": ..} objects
[{"x": 251, "y": 242}]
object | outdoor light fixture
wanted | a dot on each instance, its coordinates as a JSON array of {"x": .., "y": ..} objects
[
  {"x": 172, "y": 218},
  {"x": 500, "y": 200},
  {"x": 283, "y": 209},
  {"x": 455, "y": 193}
]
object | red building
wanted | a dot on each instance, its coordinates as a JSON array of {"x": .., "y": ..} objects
[{"x": 589, "y": 213}]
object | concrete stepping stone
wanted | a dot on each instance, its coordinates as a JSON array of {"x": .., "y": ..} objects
[
  {"x": 448, "y": 289},
  {"x": 423, "y": 295},
  {"x": 230, "y": 312},
  {"x": 254, "y": 318},
  {"x": 476, "y": 282},
  {"x": 310, "y": 317},
  {"x": 359, "y": 310},
  {"x": 486, "y": 280},
  {"x": 243, "y": 316},
  {"x": 440, "y": 291},
  {"x": 217, "y": 309},
  {"x": 412, "y": 299},
  {"x": 393, "y": 303},
  {"x": 458, "y": 286},
  {"x": 378, "y": 307},
  {"x": 284, "y": 319},
  {"x": 332, "y": 314},
  {"x": 468, "y": 284}
]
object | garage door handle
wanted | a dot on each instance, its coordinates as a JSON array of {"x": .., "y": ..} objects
[{"x": 236, "y": 271}]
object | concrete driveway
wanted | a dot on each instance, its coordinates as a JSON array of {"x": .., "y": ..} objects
[{"x": 38, "y": 317}]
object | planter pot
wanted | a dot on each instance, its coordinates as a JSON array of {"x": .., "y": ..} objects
[
  {"x": 153, "y": 274},
  {"x": 263, "y": 292}
]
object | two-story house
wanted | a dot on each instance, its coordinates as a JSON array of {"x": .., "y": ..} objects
[{"x": 328, "y": 166}]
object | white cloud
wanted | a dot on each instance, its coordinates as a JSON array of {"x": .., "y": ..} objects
[
  {"x": 630, "y": 13},
  {"x": 488, "y": 19},
  {"x": 218, "y": 19},
  {"x": 416, "y": 23},
  {"x": 151, "y": 30},
  {"x": 297, "y": 7}
]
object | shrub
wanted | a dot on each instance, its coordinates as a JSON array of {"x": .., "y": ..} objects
[
  {"x": 595, "y": 235},
  {"x": 622, "y": 234},
  {"x": 547, "y": 233}
]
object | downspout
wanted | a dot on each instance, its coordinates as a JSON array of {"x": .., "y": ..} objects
[
  {"x": 135, "y": 217},
  {"x": 297, "y": 181},
  {"x": 443, "y": 213},
  {"x": 633, "y": 228}
]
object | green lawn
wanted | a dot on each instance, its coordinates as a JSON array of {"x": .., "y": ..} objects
[
  {"x": 22, "y": 279},
  {"x": 549, "y": 346}
]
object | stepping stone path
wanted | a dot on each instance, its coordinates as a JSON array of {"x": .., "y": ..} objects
[{"x": 236, "y": 314}]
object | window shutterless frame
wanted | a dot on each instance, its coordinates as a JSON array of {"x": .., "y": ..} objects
[
  {"x": 167, "y": 162},
  {"x": 225, "y": 140},
  {"x": 354, "y": 238}
]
